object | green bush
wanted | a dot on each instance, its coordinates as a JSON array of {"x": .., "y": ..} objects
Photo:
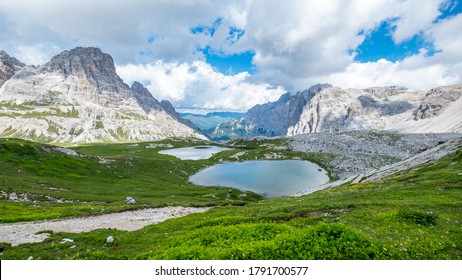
[{"x": 418, "y": 217}]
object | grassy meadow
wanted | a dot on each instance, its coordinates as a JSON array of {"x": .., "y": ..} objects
[{"x": 412, "y": 215}]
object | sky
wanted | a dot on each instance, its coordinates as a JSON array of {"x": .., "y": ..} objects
[{"x": 231, "y": 55}]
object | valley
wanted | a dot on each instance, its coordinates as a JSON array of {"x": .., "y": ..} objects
[
  {"x": 78, "y": 145},
  {"x": 411, "y": 214}
]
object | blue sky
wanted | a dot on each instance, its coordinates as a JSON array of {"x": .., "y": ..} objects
[
  {"x": 234, "y": 54},
  {"x": 379, "y": 43}
]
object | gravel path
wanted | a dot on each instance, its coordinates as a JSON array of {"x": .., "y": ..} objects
[{"x": 19, "y": 233}]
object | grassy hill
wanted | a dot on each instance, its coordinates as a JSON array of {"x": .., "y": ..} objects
[{"x": 412, "y": 215}]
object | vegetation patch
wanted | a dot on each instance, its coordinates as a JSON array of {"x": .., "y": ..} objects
[{"x": 418, "y": 217}]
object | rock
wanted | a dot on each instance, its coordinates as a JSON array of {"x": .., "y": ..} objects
[
  {"x": 109, "y": 239},
  {"x": 66, "y": 240},
  {"x": 130, "y": 200},
  {"x": 435, "y": 101},
  {"x": 90, "y": 64},
  {"x": 358, "y": 179},
  {"x": 357, "y": 152},
  {"x": 8, "y": 67}
]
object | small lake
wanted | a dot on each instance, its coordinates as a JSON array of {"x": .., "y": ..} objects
[
  {"x": 194, "y": 153},
  {"x": 270, "y": 178}
]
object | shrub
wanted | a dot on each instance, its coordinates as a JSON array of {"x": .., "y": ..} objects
[{"x": 418, "y": 217}]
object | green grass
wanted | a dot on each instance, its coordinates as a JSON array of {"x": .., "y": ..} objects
[
  {"x": 412, "y": 215},
  {"x": 99, "y": 180}
]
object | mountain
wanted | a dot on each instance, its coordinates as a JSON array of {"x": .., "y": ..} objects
[
  {"x": 324, "y": 108},
  {"x": 270, "y": 119},
  {"x": 77, "y": 97}
]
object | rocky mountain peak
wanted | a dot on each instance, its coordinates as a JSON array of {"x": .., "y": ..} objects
[
  {"x": 310, "y": 92},
  {"x": 145, "y": 99},
  {"x": 89, "y": 63},
  {"x": 8, "y": 66}
]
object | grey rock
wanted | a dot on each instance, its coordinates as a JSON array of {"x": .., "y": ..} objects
[
  {"x": 436, "y": 100},
  {"x": 130, "y": 200},
  {"x": 89, "y": 63},
  {"x": 66, "y": 240},
  {"x": 109, "y": 239},
  {"x": 145, "y": 98},
  {"x": 8, "y": 66},
  {"x": 359, "y": 152}
]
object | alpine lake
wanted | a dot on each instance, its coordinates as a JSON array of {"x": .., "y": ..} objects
[{"x": 269, "y": 178}]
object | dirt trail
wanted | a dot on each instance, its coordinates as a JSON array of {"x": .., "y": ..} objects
[{"x": 19, "y": 233}]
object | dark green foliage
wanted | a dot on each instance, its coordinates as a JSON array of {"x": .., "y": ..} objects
[
  {"x": 271, "y": 241},
  {"x": 418, "y": 217}
]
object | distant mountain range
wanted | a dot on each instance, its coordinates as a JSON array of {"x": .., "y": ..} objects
[
  {"x": 212, "y": 119},
  {"x": 77, "y": 97},
  {"x": 324, "y": 108}
]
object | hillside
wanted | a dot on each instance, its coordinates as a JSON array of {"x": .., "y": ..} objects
[{"x": 77, "y": 97}]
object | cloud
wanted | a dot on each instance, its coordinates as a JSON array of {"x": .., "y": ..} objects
[
  {"x": 197, "y": 85},
  {"x": 296, "y": 44},
  {"x": 421, "y": 71}
]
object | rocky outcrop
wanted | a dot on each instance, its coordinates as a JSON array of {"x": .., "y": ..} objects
[
  {"x": 90, "y": 64},
  {"x": 8, "y": 67},
  {"x": 145, "y": 98},
  {"x": 78, "y": 97},
  {"x": 436, "y": 100}
]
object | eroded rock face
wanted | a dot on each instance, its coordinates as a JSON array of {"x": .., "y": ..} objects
[
  {"x": 87, "y": 63},
  {"x": 8, "y": 67},
  {"x": 436, "y": 100},
  {"x": 78, "y": 97}
]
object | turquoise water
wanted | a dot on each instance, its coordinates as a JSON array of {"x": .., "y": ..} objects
[
  {"x": 194, "y": 153},
  {"x": 270, "y": 178}
]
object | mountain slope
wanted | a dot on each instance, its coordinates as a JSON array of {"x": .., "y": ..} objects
[
  {"x": 324, "y": 108},
  {"x": 78, "y": 97}
]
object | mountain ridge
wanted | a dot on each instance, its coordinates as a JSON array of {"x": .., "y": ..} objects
[
  {"x": 325, "y": 108},
  {"x": 77, "y": 97}
]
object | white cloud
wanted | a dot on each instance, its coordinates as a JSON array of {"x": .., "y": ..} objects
[
  {"x": 296, "y": 43},
  {"x": 386, "y": 73},
  {"x": 421, "y": 71},
  {"x": 197, "y": 85},
  {"x": 415, "y": 16}
]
